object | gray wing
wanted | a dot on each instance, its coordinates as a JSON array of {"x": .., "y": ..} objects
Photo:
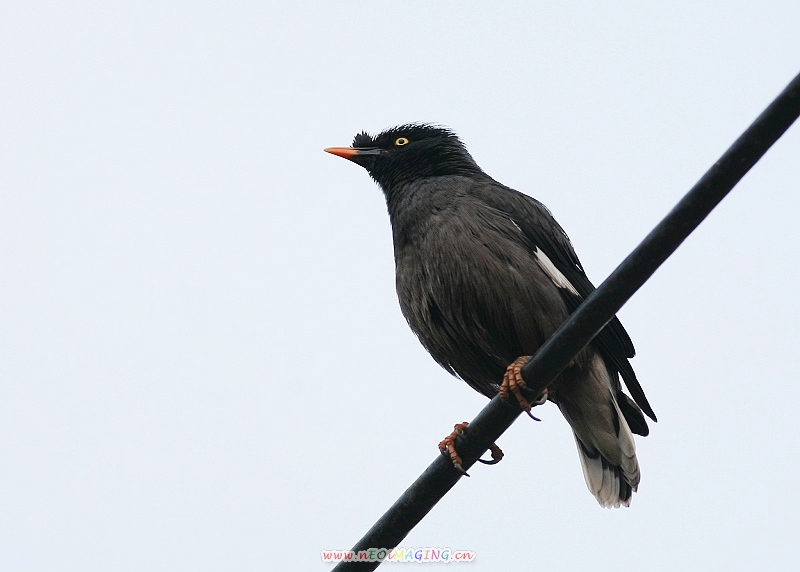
[{"x": 547, "y": 237}]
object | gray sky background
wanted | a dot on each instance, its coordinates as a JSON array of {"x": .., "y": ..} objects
[{"x": 204, "y": 366}]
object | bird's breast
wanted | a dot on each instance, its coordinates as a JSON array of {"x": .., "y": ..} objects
[{"x": 470, "y": 288}]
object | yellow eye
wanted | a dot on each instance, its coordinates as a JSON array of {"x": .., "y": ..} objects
[{"x": 400, "y": 141}]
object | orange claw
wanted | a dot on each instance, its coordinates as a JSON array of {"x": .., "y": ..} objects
[
  {"x": 513, "y": 382},
  {"x": 497, "y": 455},
  {"x": 447, "y": 447}
]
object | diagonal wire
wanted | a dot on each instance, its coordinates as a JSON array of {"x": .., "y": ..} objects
[{"x": 587, "y": 321}]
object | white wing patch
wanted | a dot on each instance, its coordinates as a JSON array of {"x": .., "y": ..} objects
[{"x": 554, "y": 273}]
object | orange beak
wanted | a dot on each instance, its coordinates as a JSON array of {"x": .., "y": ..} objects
[
  {"x": 345, "y": 152},
  {"x": 353, "y": 152}
]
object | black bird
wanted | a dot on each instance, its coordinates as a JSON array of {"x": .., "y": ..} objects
[{"x": 484, "y": 275}]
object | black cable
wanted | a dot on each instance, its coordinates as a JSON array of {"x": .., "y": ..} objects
[{"x": 583, "y": 325}]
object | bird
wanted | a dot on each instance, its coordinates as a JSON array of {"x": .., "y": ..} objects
[{"x": 484, "y": 275}]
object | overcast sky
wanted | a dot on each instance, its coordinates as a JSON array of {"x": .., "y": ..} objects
[{"x": 204, "y": 366}]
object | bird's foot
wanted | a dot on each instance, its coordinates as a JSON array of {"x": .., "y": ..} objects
[
  {"x": 448, "y": 448},
  {"x": 513, "y": 383}
]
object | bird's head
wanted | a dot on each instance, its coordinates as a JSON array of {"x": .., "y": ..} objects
[{"x": 408, "y": 153}]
